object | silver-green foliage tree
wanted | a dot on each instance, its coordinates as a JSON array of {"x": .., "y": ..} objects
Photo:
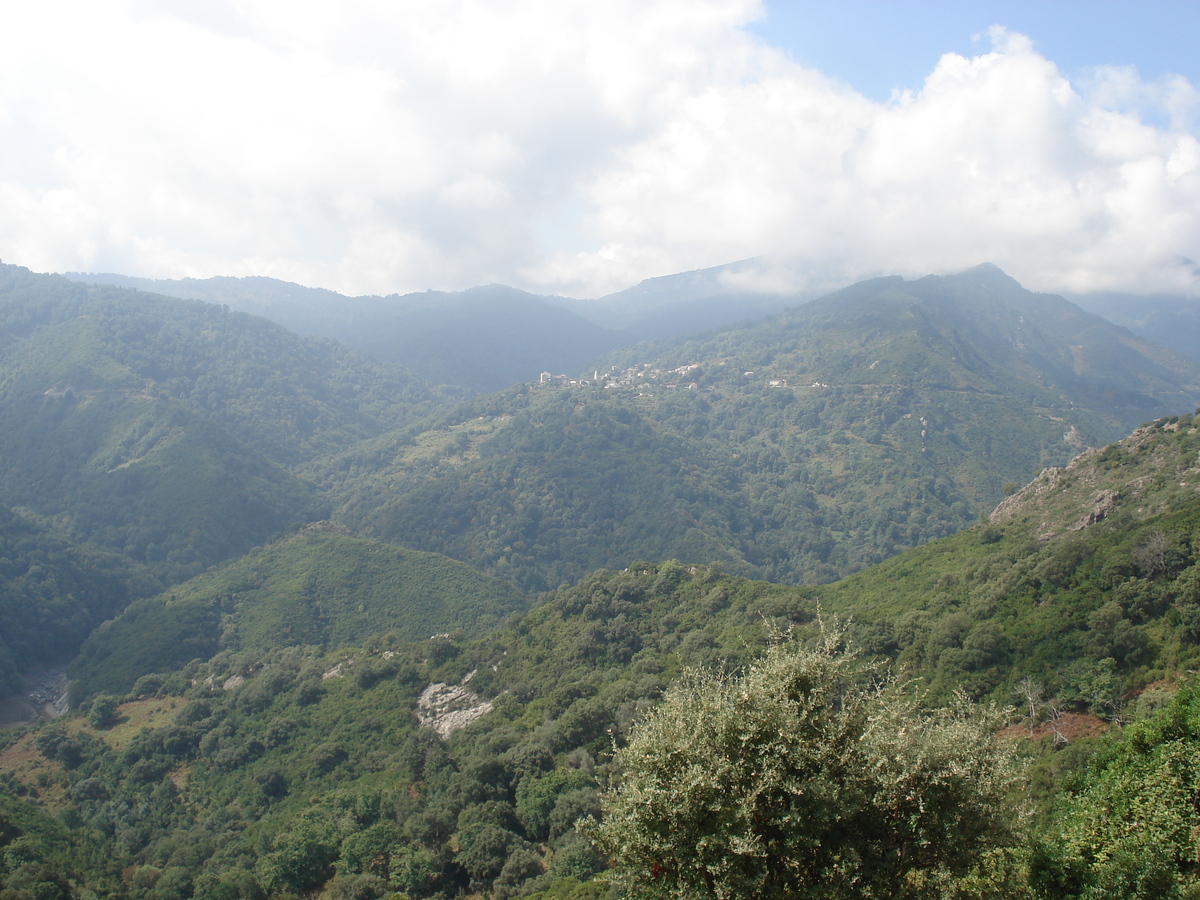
[{"x": 808, "y": 776}]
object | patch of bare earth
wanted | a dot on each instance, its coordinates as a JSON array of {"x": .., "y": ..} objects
[{"x": 1068, "y": 727}]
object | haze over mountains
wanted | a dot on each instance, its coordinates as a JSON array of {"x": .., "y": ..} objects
[
  {"x": 489, "y": 337},
  {"x": 802, "y": 447},
  {"x": 177, "y": 434},
  {"x": 242, "y": 539}
]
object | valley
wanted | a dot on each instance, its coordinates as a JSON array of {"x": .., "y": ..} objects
[{"x": 342, "y": 628}]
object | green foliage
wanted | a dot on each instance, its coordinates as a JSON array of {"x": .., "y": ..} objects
[
  {"x": 150, "y": 636},
  {"x": 52, "y": 594},
  {"x": 102, "y": 711},
  {"x": 170, "y": 430},
  {"x": 253, "y": 772},
  {"x": 318, "y": 587},
  {"x": 1128, "y": 828},
  {"x": 1089, "y": 607},
  {"x": 42, "y": 858},
  {"x": 803, "y": 778},
  {"x": 271, "y": 741}
]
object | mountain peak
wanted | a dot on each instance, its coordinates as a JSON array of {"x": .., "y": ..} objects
[{"x": 988, "y": 274}]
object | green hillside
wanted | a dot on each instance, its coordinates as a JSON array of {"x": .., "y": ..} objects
[
  {"x": 320, "y": 587},
  {"x": 458, "y": 766},
  {"x": 283, "y": 725},
  {"x": 800, "y": 449},
  {"x": 291, "y": 398},
  {"x": 144, "y": 477},
  {"x": 1085, "y": 581},
  {"x": 172, "y": 431},
  {"x": 52, "y": 594},
  {"x": 285, "y": 770}
]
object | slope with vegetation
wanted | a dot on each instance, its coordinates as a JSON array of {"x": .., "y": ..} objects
[
  {"x": 1084, "y": 583},
  {"x": 800, "y": 449},
  {"x": 482, "y": 339},
  {"x": 274, "y": 727},
  {"x": 53, "y": 594},
  {"x": 805, "y": 776},
  {"x": 319, "y": 587},
  {"x": 451, "y": 766},
  {"x": 173, "y": 431},
  {"x": 291, "y": 769}
]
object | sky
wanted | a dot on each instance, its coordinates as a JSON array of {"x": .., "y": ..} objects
[{"x": 573, "y": 147}]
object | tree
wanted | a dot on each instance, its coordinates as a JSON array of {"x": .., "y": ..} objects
[
  {"x": 808, "y": 776},
  {"x": 1031, "y": 692},
  {"x": 103, "y": 712}
]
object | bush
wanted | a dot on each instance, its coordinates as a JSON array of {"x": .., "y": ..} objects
[
  {"x": 102, "y": 712},
  {"x": 805, "y": 777}
]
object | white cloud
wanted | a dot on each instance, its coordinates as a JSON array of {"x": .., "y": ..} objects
[{"x": 563, "y": 146}]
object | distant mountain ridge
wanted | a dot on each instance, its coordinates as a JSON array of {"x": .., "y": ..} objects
[
  {"x": 701, "y": 300},
  {"x": 1172, "y": 320},
  {"x": 799, "y": 448},
  {"x": 260, "y": 752},
  {"x": 489, "y": 337},
  {"x": 485, "y": 338}
]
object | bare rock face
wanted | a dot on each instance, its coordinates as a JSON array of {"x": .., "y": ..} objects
[
  {"x": 1147, "y": 473},
  {"x": 1103, "y": 503},
  {"x": 1046, "y": 482},
  {"x": 446, "y": 708}
]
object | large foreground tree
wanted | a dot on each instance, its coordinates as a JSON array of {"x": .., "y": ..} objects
[{"x": 808, "y": 776}]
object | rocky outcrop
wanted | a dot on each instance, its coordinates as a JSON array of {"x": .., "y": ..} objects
[{"x": 446, "y": 708}]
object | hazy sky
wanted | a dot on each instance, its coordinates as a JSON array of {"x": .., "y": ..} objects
[{"x": 578, "y": 147}]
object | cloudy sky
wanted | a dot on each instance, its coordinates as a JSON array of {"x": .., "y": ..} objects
[{"x": 576, "y": 147}]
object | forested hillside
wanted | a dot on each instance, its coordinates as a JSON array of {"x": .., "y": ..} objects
[
  {"x": 173, "y": 432},
  {"x": 52, "y": 595},
  {"x": 320, "y": 587},
  {"x": 180, "y": 434},
  {"x": 293, "y": 398},
  {"x": 454, "y": 765},
  {"x": 799, "y": 449},
  {"x": 1085, "y": 581},
  {"x": 266, "y": 713}
]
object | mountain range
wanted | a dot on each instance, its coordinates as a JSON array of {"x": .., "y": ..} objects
[
  {"x": 341, "y": 625},
  {"x": 490, "y": 337},
  {"x": 174, "y": 435},
  {"x": 799, "y": 448}
]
